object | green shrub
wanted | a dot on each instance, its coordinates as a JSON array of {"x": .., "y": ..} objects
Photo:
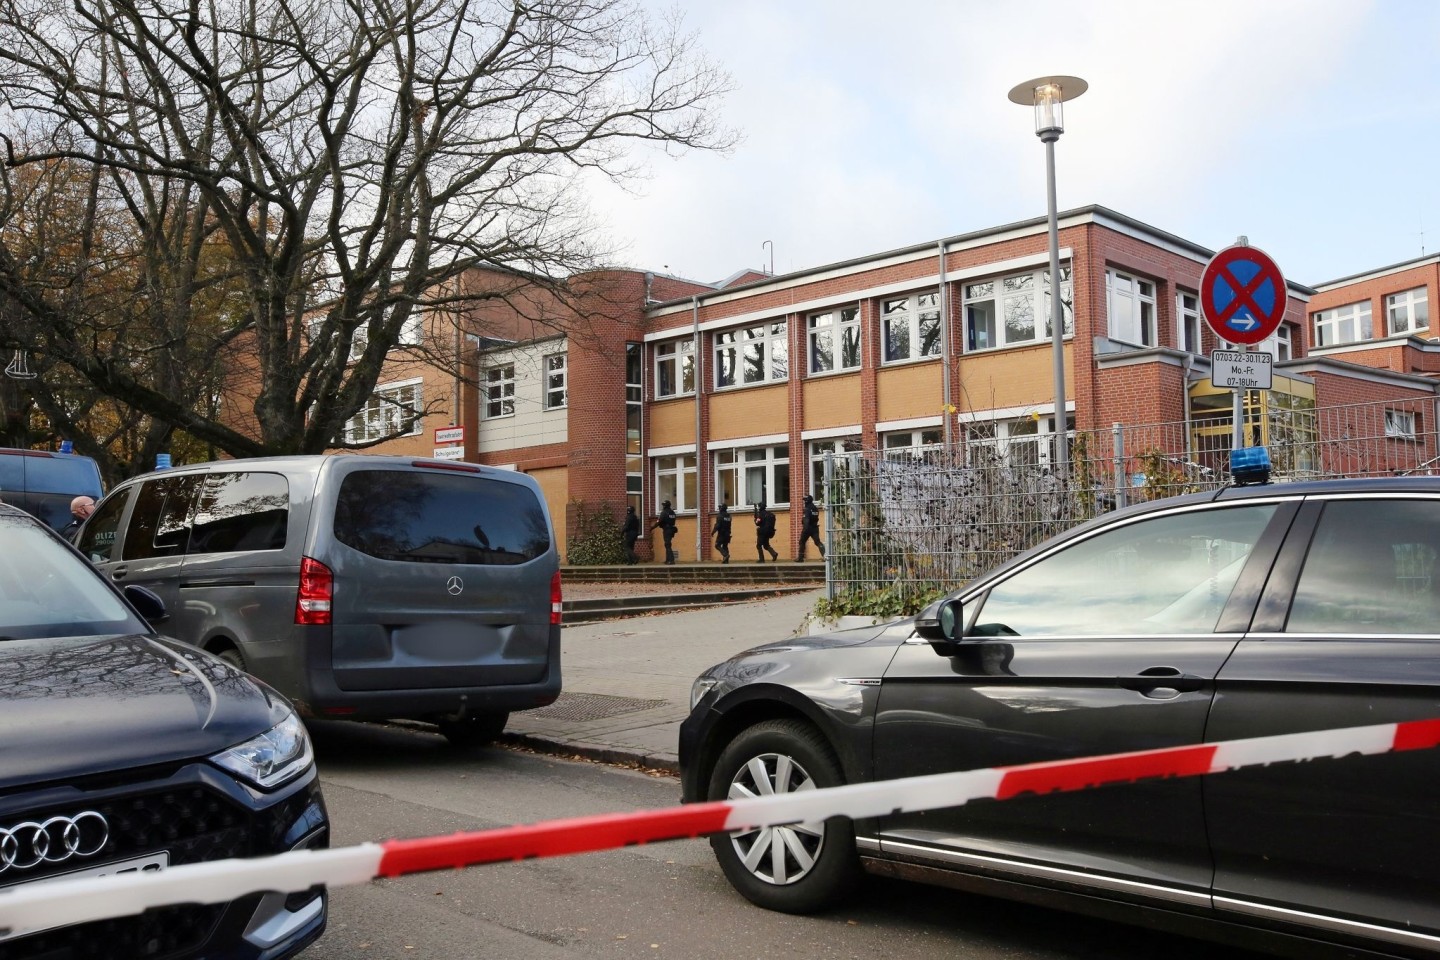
[
  {"x": 885, "y": 603},
  {"x": 596, "y": 538}
]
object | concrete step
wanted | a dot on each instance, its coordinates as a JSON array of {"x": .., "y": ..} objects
[
  {"x": 783, "y": 571},
  {"x": 612, "y": 608}
]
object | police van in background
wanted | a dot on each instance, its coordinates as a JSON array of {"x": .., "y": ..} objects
[
  {"x": 43, "y": 483},
  {"x": 359, "y": 586}
]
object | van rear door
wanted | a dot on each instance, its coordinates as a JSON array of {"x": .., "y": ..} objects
[{"x": 441, "y": 577}]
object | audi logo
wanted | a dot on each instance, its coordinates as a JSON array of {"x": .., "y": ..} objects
[
  {"x": 27, "y": 845},
  {"x": 454, "y": 585}
]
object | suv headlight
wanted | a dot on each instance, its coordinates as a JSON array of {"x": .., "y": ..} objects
[
  {"x": 275, "y": 756},
  {"x": 699, "y": 688}
]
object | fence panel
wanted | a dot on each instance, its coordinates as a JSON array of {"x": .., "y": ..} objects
[{"x": 915, "y": 521}]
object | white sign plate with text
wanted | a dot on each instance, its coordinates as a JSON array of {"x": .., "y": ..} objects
[
  {"x": 1241, "y": 370},
  {"x": 449, "y": 453}
]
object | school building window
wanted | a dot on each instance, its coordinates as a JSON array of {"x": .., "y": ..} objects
[
  {"x": 1351, "y": 323},
  {"x": 1400, "y": 424},
  {"x": 675, "y": 481},
  {"x": 754, "y": 475},
  {"x": 914, "y": 444},
  {"x": 675, "y": 368},
  {"x": 1188, "y": 323},
  {"x": 500, "y": 391},
  {"x": 910, "y": 327},
  {"x": 749, "y": 355},
  {"x": 1003, "y": 313},
  {"x": 556, "y": 377},
  {"x": 834, "y": 340},
  {"x": 391, "y": 411},
  {"x": 1408, "y": 311},
  {"x": 1131, "y": 309},
  {"x": 836, "y": 450}
]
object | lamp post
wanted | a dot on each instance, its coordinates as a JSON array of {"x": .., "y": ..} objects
[{"x": 1046, "y": 95}]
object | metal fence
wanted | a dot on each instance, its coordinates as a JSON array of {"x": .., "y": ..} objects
[{"x": 917, "y": 520}]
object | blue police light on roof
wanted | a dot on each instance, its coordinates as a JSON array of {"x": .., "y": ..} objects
[{"x": 1250, "y": 465}]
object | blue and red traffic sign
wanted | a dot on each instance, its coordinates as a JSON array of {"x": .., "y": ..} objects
[{"x": 1242, "y": 294}]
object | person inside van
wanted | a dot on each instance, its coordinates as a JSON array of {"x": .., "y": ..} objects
[{"x": 80, "y": 508}]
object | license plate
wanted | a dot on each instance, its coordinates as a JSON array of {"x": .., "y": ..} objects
[{"x": 150, "y": 863}]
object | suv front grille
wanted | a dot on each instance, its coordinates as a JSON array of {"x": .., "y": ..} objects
[{"x": 193, "y": 824}]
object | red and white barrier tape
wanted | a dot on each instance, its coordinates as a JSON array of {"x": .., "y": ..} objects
[{"x": 59, "y": 902}]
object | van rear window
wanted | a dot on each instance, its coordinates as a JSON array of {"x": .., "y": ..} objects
[
  {"x": 67, "y": 475},
  {"x": 440, "y": 518}
]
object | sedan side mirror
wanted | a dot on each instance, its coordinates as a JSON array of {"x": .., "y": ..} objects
[
  {"x": 943, "y": 624},
  {"x": 147, "y": 603}
]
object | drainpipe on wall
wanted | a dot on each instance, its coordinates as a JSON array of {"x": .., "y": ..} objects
[
  {"x": 1185, "y": 399},
  {"x": 699, "y": 457},
  {"x": 944, "y": 346}
]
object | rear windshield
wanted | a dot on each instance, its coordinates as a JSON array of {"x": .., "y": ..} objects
[{"x": 440, "y": 518}]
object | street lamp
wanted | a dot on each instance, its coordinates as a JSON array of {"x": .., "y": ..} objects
[{"x": 1047, "y": 94}]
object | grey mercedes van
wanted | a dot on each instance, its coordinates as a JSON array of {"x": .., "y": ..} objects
[{"x": 359, "y": 586}]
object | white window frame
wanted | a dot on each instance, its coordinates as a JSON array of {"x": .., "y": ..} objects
[
  {"x": 412, "y": 331},
  {"x": 915, "y": 313},
  {"x": 1279, "y": 344},
  {"x": 1352, "y": 317},
  {"x": 499, "y": 391},
  {"x": 671, "y": 472},
  {"x": 1400, "y": 424},
  {"x": 761, "y": 349},
  {"x": 1130, "y": 309},
  {"x": 912, "y": 444},
  {"x": 386, "y": 411},
  {"x": 836, "y": 326},
  {"x": 1408, "y": 311},
  {"x": 1189, "y": 324},
  {"x": 555, "y": 367},
  {"x": 816, "y": 451},
  {"x": 1016, "y": 292},
  {"x": 678, "y": 356},
  {"x": 741, "y": 463}
]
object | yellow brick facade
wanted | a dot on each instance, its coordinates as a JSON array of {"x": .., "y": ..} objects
[
  {"x": 1010, "y": 378},
  {"x": 913, "y": 390},
  {"x": 832, "y": 402},
  {"x": 753, "y": 412}
]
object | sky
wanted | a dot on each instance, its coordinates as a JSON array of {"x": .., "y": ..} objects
[{"x": 1310, "y": 126}]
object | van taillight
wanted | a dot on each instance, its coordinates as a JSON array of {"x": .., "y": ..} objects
[
  {"x": 555, "y": 600},
  {"x": 317, "y": 589}
]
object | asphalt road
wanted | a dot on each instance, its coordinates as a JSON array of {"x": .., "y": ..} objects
[{"x": 664, "y": 900}]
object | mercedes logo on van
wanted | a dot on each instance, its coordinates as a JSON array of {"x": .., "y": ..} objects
[
  {"x": 454, "y": 585},
  {"x": 27, "y": 845}
]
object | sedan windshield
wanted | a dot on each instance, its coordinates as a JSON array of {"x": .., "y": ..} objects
[{"x": 47, "y": 591}]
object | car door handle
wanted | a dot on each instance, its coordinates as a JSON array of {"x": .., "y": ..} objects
[
  {"x": 119, "y": 573},
  {"x": 1156, "y": 678}
]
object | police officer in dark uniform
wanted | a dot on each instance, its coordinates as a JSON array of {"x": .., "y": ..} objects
[
  {"x": 631, "y": 533},
  {"x": 764, "y": 530},
  {"x": 722, "y": 533},
  {"x": 666, "y": 523},
  {"x": 810, "y": 527}
]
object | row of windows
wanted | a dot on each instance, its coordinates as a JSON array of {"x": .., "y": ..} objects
[
  {"x": 748, "y": 476},
  {"x": 1008, "y": 312},
  {"x": 1406, "y": 312},
  {"x": 499, "y": 387}
]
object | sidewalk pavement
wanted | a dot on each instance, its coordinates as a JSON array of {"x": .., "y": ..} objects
[{"x": 626, "y": 683}]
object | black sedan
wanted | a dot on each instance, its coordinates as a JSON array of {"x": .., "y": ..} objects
[
  {"x": 122, "y": 751},
  {"x": 1245, "y": 612}
]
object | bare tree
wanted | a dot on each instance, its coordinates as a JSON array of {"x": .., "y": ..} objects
[{"x": 331, "y": 167}]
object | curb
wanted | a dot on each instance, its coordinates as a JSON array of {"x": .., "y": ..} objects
[
  {"x": 615, "y": 608},
  {"x": 600, "y": 754}
]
